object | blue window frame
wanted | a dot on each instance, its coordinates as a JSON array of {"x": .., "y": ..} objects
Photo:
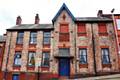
[
  {"x": 20, "y": 37},
  {"x": 15, "y": 77},
  {"x": 83, "y": 56},
  {"x": 45, "y": 59},
  {"x": 33, "y": 37},
  {"x": 17, "y": 59},
  {"x": 46, "y": 37},
  {"x": 105, "y": 56}
]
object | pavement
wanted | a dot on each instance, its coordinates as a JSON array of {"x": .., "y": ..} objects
[{"x": 108, "y": 77}]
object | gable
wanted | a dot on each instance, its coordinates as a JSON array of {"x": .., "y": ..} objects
[{"x": 64, "y": 7}]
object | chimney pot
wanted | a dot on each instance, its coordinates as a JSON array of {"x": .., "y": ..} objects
[
  {"x": 99, "y": 14},
  {"x": 37, "y": 19},
  {"x": 18, "y": 20}
]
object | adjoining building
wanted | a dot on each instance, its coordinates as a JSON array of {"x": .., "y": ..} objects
[
  {"x": 70, "y": 46},
  {"x": 2, "y": 48}
]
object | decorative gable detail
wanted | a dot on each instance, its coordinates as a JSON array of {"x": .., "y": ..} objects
[{"x": 64, "y": 7}]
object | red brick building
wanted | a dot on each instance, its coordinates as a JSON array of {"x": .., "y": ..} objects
[
  {"x": 70, "y": 46},
  {"x": 2, "y": 48}
]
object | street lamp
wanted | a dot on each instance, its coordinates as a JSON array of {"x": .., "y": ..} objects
[
  {"x": 115, "y": 28},
  {"x": 116, "y": 33}
]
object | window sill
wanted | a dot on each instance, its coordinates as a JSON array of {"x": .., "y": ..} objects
[
  {"x": 16, "y": 67},
  {"x": 106, "y": 65},
  {"x": 82, "y": 34},
  {"x": 46, "y": 45},
  {"x": 83, "y": 65},
  {"x": 19, "y": 45},
  {"x": 31, "y": 67},
  {"x": 44, "y": 68},
  {"x": 32, "y": 43},
  {"x": 32, "y": 47},
  {"x": 103, "y": 34}
]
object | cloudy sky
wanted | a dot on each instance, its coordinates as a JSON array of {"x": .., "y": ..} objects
[{"x": 10, "y": 9}]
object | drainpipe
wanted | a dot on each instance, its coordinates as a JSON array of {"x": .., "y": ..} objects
[
  {"x": 5, "y": 73},
  {"x": 38, "y": 72},
  {"x": 75, "y": 51},
  {"x": 94, "y": 56}
]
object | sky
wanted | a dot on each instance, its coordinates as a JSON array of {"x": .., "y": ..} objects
[{"x": 47, "y": 9}]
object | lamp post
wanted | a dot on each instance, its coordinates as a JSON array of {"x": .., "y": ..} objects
[{"x": 116, "y": 34}]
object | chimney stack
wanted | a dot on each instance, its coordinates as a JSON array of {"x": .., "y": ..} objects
[
  {"x": 18, "y": 20},
  {"x": 99, "y": 14},
  {"x": 37, "y": 19}
]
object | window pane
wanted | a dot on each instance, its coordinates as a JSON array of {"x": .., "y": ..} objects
[
  {"x": 17, "y": 59},
  {"x": 20, "y": 34},
  {"x": 105, "y": 56},
  {"x": 20, "y": 38},
  {"x": 46, "y": 40},
  {"x": 33, "y": 38},
  {"x": 83, "y": 56},
  {"x": 33, "y": 34},
  {"x": 118, "y": 23},
  {"x": 46, "y": 37},
  {"x": 20, "y": 41},
  {"x": 45, "y": 59},
  {"x": 46, "y": 34},
  {"x": 15, "y": 77},
  {"x": 31, "y": 59}
]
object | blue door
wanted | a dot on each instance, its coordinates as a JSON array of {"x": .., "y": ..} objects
[{"x": 64, "y": 67}]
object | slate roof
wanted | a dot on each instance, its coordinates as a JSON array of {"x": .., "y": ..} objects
[
  {"x": 2, "y": 38},
  {"x": 31, "y": 26},
  {"x": 50, "y": 26},
  {"x": 92, "y": 19}
]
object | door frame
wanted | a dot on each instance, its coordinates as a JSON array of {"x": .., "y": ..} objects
[{"x": 59, "y": 66}]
